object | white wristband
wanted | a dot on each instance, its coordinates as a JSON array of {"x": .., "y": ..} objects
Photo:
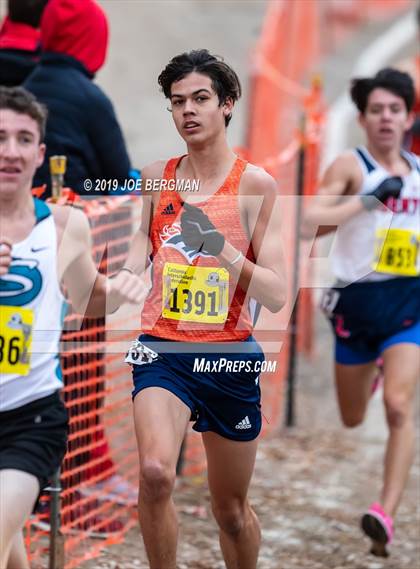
[
  {"x": 127, "y": 269},
  {"x": 122, "y": 269},
  {"x": 236, "y": 259}
]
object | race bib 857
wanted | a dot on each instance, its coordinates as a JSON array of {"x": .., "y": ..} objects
[{"x": 396, "y": 252}]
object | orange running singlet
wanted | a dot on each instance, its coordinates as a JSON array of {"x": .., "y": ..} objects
[{"x": 193, "y": 298}]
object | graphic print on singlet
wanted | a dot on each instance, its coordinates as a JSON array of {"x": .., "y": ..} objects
[{"x": 170, "y": 236}]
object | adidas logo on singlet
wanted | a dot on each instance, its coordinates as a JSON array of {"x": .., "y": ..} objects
[
  {"x": 244, "y": 424},
  {"x": 169, "y": 210}
]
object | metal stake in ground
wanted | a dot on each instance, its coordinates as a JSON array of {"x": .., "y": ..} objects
[
  {"x": 291, "y": 370},
  {"x": 56, "y": 560}
]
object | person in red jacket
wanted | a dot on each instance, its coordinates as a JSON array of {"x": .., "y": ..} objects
[{"x": 20, "y": 40}]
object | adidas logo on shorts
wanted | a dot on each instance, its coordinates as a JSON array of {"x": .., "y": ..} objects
[
  {"x": 168, "y": 210},
  {"x": 244, "y": 424}
]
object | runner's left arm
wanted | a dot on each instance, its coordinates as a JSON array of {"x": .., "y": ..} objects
[{"x": 265, "y": 280}]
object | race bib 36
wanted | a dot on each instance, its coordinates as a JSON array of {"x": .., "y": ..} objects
[{"x": 16, "y": 325}]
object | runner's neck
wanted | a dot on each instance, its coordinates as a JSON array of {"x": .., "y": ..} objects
[
  {"x": 391, "y": 160},
  {"x": 17, "y": 213},
  {"x": 207, "y": 163}
]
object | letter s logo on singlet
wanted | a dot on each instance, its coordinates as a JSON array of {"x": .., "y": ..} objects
[{"x": 22, "y": 284}]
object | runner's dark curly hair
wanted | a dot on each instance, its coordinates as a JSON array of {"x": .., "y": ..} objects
[
  {"x": 392, "y": 80},
  {"x": 224, "y": 80}
]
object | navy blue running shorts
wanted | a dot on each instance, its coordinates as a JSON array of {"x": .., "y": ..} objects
[
  {"x": 368, "y": 317},
  {"x": 217, "y": 381}
]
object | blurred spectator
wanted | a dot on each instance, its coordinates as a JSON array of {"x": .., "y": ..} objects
[
  {"x": 20, "y": 40},
  {"x": 81, "y": 119}
]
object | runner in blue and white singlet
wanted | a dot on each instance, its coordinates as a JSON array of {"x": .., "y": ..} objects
[
  {"x": 39, "y": 247},
  {"x": 372, "y": 195},
  {"x": 375, "y": 259},
  {"x": 31, "y": 315}
]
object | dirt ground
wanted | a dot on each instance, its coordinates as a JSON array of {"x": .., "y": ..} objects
[{"x": 310, "y": 486}]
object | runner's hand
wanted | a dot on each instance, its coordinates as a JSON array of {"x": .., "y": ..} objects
[
  {"x": 198, "y": 231},
  {"x": 388, "y": 188},
  {"x": 5, "y": 256},
  {"x": 125, "y": 287}
]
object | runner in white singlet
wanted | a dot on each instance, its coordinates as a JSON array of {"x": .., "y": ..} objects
[{"x": 40, "y": 247}]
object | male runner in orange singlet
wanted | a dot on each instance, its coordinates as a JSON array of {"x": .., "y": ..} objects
[{"x": 212, "y": 250}]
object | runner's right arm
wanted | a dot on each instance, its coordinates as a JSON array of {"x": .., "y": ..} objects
[
  {"x": 329, "y": 209},
  {"x": 138, "y": 258},
  {"x": 91, "y": 293}
]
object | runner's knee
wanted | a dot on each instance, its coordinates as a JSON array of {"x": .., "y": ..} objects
[
  {"x": 230, "y": 516},
  {"x": 398, "y": 409},
  {"x": 156, "y": 480},
  {"x": 352, "y": 420}
]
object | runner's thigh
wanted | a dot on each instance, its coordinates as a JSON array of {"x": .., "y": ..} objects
[
  {"x": 161, "y": 419},
  {"x": 354, "y": 386},
  {"x": 401, "y": 370},
  {"x": 230, "y": 465}
]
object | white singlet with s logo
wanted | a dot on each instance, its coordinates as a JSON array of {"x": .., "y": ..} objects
[{"x": 31, "y": 315}]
